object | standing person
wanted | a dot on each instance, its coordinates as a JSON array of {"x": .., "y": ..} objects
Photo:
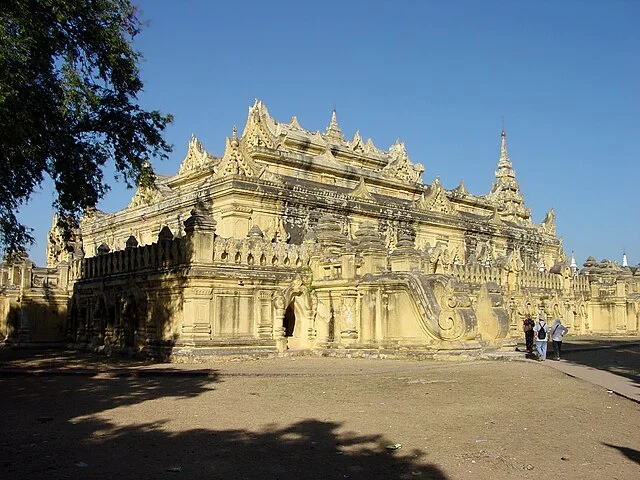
[
  {"x": 541, "y": 333},
  {"x": 527, "y": 327},
  {"x": 557, "y": 332}
]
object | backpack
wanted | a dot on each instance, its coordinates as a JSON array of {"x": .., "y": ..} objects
[{"x": 542, "y": 333}]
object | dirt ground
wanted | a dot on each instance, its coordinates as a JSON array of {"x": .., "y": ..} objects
[{"x": 313, "y": 418}]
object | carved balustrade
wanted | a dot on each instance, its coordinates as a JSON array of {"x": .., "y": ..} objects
[
  {"x": 540, "y": 280},
  {"x": 168, "y": 253},
  {"x": 248, "y": 252},
  {"x": 476, "y": 274}
]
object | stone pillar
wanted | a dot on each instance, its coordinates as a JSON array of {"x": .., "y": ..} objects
[
  {"x": 278, "y": 317},
  {"x": 265, "y": 319},
  {"x": 200, "y": 230}
]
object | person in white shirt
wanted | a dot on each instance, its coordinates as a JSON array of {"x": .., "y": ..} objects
[
  {"x": 557, "y": 332},
  {"x": 541, "y": 333}
]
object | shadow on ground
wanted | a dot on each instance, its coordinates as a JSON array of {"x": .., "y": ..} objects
[
  {"x": 60, "y": 427},
  {"x": 630, "y": 453},
  {"x": 621, "y": 360},
  {"x": 617, "y": 356}
]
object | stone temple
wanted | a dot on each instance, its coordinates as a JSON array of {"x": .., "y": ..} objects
[{"x": 300, "y": 240}]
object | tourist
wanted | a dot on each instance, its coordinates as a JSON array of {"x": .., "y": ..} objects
[
  {"x": 527, "y": 327},
  {"x": 541, "y": 332},
  {"x": 557, "y": 332}
]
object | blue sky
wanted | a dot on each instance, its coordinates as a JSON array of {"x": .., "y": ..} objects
[{"x": 439, "y": 75}]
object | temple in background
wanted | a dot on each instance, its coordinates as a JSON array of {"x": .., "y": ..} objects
[{"x": 300, "y": 240}]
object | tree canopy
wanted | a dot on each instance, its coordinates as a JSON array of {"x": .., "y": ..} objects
[{"x": 69, "y": 82}]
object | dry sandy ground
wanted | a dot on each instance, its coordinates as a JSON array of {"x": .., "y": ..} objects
[{"x": 319, "y": 418}]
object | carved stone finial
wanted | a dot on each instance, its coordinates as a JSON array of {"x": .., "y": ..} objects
[
  {"x": 165, "y": 235},
  {"x": 103, "y": 249},
  {"x": 199, "y": 220},
  {"x": 131, "y": 242}
]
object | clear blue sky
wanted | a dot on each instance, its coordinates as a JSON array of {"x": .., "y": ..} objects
[{"x": 439, "y": 75}]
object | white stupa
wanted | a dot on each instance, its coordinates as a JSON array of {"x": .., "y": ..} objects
[{"x": 573, "y": 266}]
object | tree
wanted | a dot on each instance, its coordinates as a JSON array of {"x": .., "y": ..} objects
[{"x": 69, "y": 82}]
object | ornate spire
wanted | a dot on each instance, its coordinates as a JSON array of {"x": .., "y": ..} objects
[
  {"x": 504, "y": 157},
  {"x": 625, "y": 263},
  {"x": 506, "y": 190},
  {"x": 505, "y": 175},
  {"x": 333, "y": 130}
]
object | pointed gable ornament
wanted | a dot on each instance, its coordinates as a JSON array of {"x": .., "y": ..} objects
[
  {"x": 237, "y": 162},
  {"x": 361, "y": 192},
  {"x": 195, "y": 158},
  {"x": 295, "y": 124},
  {"x": 461, "y": 190},
  {"x": 258, "y": 131},
  {"x": 327, "y": 156},
  {"x": 548, "y": 225},
  {"x": 495, "y": 217},
  {"x": 371, "y": 149},
  {"x": 436, "y": 200},
  {"x": 356, "y": 144}
]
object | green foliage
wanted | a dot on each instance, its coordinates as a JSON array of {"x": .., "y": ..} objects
[{"x": 69, "y": 82}]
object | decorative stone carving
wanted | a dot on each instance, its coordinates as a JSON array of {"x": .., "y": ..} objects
[
  {"x": 435, "y": 200},
  {"x": 196, "y": 158},
  {"x": 400, "y": 166}
]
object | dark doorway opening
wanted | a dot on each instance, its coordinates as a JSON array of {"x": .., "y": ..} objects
[{"x": 289, "y": 321}]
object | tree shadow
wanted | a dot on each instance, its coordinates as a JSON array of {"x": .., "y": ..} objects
[
  {"x": 64, "y": 427},
  {"x": 622, "y": 360},
  {"x": 630, "y": 453}
]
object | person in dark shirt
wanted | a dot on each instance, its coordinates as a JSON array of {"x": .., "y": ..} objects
[{"x": 527, "y": 327}]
